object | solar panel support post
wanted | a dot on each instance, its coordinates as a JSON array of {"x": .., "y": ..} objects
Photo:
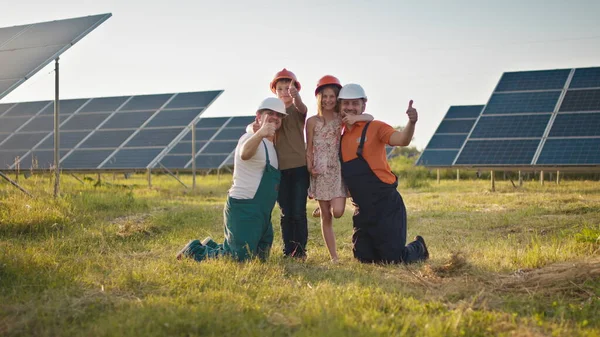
[
  {"x": 557, "y": 177},
  {"x": 438, "y": 176},
  {"x": 457, "y": 175},
  {"x": 542, "y": 178},
  {"x": 520, "y": 179},
  {"x": 17, "y": 168},
  {"x": 193, "y": 157},
  {"x": 492, "y": 178},
  {"x": 56, "y": 134},
  {"x": 149, "y": 173}
]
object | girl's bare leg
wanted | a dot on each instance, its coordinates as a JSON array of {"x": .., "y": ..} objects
[
  {"x": 338, "y": 205},
  {"x": 327, "y": 228}
]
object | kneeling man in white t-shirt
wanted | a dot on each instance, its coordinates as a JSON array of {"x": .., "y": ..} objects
[{"x": 251, "y": 198}]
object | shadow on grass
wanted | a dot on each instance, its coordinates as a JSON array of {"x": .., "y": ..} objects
[{"x": 25, "y": 273}]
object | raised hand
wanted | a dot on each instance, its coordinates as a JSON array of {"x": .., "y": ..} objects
[
  {"x": 255, "y": 126},
  {"x": 292, "y": 90},
  {"x": 413, "y": 116},
  {"x": 266, "y": 129}
]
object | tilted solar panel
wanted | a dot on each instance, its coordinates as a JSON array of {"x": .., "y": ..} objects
[{"x": 26, "y": 49}]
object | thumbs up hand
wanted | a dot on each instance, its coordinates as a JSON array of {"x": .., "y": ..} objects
[
  {"x": 413, "y": 116},
  {"x": 292, "y": 90},
  {"x": 266, "y": 129}
]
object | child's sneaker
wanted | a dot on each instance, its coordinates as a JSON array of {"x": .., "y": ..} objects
[
  {"x": 208, "y": 242},
  {"x": 185, "y": 251}
]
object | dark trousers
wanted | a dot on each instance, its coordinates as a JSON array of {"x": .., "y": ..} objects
[
  {"x": 380, "y": 235},
  {"x": 293, "y": 191}
]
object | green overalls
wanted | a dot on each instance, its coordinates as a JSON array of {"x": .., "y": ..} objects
[{"x": 248, "y": 227}]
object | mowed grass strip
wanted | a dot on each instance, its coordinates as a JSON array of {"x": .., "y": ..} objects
[{"x": 99, "y": 261}]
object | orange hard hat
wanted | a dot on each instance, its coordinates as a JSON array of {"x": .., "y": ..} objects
[
  {"x": 326, "y": 80},
  {"x": 284, "y": 74}
]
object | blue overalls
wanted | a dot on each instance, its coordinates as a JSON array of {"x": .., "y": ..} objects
[
  {"x": 248, "y": 227},
  {"x": 380, "y": 223}
]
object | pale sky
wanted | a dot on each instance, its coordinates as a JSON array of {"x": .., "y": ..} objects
[{"x": 438, "y": 53}]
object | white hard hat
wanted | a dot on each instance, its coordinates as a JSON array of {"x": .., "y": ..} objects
[
  {"x": 272, "y": 103},
  {"x": 352, "y": 91}
]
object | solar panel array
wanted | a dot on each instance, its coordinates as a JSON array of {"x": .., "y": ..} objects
[
  {"x": 533, "y": 118},
  {"x": 126, "y": 132},
  {"x": 26, "y": 49},
  {"x": 216, "y": 139},
  {"x": 450, "y": 136}
]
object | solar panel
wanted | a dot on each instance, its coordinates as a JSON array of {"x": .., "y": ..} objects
[
  {"x": 518, "y": 126},
  {"x": 127, "y": 119},
  {"x": 26, "y": 49},
  {"x": 67, "y": 106},
  {"x": 581, "y": 100},
  {"x": 68, "y": 140},
  {"x": 29, "y": 109},
  {"x": 449, "y": 136},
  {"x": 174, "y": 117},
  {"x": 455, "y": 126},
  {"x": 5, "y": 108},
  {"x": 85, "y": 159},
  {"x": 533, "y": 80},
  {"x": 586, "y": 78},
  {"x": 220, "y": 147},
  {"x": 95, "y": 137},
  {"x": 464, "y": 111},
  {"x": 210, "y": 161},
  {"x": 185, "y": 148},
  {"x": 576, "y": 124},
  {"x": 39, "y": 159},
  {"x": 447, "y": 141},
  {"x": 498, "y": 152},
  {"x": 132, "y": 158},
  {"x": 105, "y": 139},
  {"x": 435, "y": 158},
  {"x": 8, "y": 125},
  {"x": 216, "y": 139},
  {"x": 582, "y": 151},
  {"x": 526, "y": 102},
  {"x": 147, "y": 102}
]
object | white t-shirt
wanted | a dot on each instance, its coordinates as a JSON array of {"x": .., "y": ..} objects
[{"x": 247, "y": 174}]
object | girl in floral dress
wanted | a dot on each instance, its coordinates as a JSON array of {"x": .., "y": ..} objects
[{"x": 323, "y": 133}]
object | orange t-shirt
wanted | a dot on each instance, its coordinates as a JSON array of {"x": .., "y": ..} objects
[{"x": 378, "y": 134}]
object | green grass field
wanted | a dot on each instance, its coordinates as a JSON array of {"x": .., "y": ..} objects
[{"x": 99, "y": 261}]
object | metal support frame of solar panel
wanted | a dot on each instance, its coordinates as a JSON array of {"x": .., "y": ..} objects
[
  {"x": 26, "y": 49},
  {"x": 99, "y": 134},
  {"x": 450, "y": 136},
  {"x": 519, "y": 120},
  {"x": 216, "y": 139}
]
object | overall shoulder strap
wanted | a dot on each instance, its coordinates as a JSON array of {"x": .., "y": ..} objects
[{"x": 363, "y": 136}]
